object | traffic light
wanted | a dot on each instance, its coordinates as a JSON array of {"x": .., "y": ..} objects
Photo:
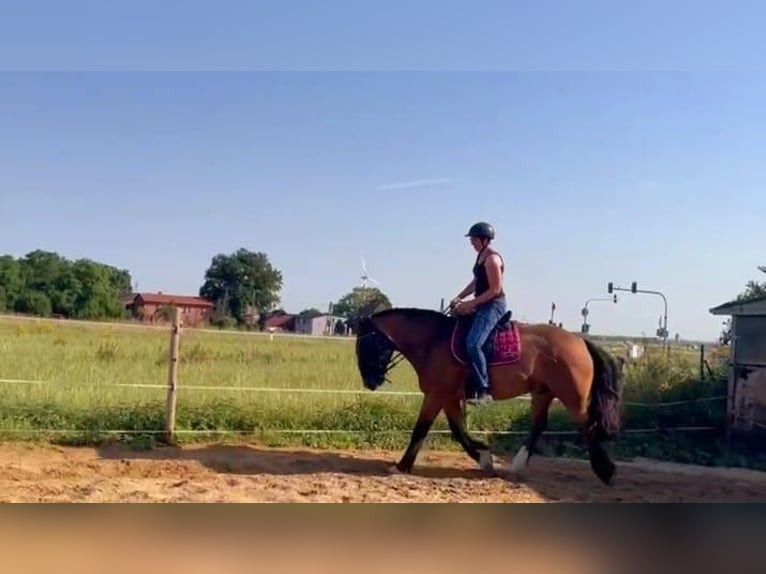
[
  {"x": 609, "y": 287},
  {"x": 633, "y": 287},
  {"x": 615, "y": 298}
]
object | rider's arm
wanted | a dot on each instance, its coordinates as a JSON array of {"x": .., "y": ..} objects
[
  {"x": 467, "y": 291},
  {"x": 495, "y": 276}
]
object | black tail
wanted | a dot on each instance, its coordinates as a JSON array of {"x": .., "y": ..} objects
[{"x": 605, "y": 409}]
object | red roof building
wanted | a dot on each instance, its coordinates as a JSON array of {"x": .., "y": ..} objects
[
  {"x": 280, "y": 323},
  {"x": 153, "y": 308}
]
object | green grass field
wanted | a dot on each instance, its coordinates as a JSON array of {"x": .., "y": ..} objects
[{"x": 82, "y": 366}]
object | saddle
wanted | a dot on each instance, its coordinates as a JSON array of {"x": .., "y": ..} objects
[{"x": 503, "y": 346}]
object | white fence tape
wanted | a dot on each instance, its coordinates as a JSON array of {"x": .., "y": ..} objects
[{"x": 360, "y": 392}]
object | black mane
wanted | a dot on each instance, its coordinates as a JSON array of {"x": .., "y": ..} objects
[
  {"x": 444, "y": 323},
  {"x": 415, "y": 313}
]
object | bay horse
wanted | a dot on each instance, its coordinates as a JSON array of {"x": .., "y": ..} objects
[{"x": 545, "y": 361}]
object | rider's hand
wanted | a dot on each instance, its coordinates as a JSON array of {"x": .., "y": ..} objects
[{"x": 464, "y": 308}]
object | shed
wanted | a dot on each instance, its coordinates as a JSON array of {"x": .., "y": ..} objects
[
  {"x": 323, "y": 324},
  {"x": 747, "y": 366}
]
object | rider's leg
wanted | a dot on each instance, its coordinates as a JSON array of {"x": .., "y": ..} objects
[{"x": 484, "y": 322}]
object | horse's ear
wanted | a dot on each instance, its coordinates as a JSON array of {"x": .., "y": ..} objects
[
  {"x": 382, "y": 307},
  {"x": 358, "y": 321}
]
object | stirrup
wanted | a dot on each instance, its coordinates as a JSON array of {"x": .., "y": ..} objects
[{"x": 480, "y": 399}]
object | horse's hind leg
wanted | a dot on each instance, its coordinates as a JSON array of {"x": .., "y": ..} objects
[
  {"x": 477, "y": 450},
  {"x": 600, "y": 462},
  {"x": 541, "y": 402}
]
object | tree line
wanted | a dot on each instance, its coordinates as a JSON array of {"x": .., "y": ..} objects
[
  {"x": 44, "y": 283},
  {"x": 243, "y": 280}
]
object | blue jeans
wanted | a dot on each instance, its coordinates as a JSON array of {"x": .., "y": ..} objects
[{"x": 487, "y": 316}]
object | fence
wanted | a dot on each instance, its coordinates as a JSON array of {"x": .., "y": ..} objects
[{"x": 172, "y": 388}]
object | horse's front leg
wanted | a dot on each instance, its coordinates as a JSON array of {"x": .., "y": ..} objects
[
  {"x": 429, "y": 410},
  {"x": 477, "y": 450}
]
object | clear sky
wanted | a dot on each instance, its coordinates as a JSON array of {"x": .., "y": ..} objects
[{"x": 589, "y": 177}]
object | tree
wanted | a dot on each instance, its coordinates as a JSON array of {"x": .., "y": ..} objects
[
  {"x": 45, "y": 283},
  {"x": 361, "y": 300},
  {"x": 753, "y": 290},
  {"x": 11, "y": 283},
  {"x": 241, "y": 280}
]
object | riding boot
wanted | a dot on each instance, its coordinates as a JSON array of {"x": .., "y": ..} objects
[{"x": 482, "y": 397}]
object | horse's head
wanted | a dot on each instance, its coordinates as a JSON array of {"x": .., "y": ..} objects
[
  {"x": 406, "y": 331},
  {"x": 374, "y": 351}
]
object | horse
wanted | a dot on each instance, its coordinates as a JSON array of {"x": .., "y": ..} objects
[{"x": 543, "y": 360}]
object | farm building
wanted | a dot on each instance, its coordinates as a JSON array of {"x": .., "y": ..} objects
[
  {"x": 320, "y": 325},
  {"x": 747, "y": 365},
  {"x": 280, "y": 322},
  {"x": 154, "y": 308}
]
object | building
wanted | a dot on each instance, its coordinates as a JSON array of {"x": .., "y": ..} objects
[
  {"x": 747, "y": 366},
  {"x": 323, "y": 324},
  {"x": 280, "y": 322},
  {"x": 156, "y": 308}
]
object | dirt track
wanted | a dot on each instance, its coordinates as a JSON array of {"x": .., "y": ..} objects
[{"x": 35, "y": 473}]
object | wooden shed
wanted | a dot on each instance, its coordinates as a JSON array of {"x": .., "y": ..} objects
[{"x": 747, "y": 366}]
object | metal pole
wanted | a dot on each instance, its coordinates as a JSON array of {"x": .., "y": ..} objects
[
  {"x": 585, "y": 311},
  {"x": 664, "y": 302},
  {"x": 664, "y": 316}
]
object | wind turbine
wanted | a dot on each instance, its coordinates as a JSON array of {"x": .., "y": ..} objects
[{"x": 366, "y": 277}]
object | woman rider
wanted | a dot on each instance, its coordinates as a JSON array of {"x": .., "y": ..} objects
[{"x": 489, "y": 304}]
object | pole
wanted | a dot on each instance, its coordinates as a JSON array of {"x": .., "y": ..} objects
[
  {"x": 664, "y": 315},
  {"x": 634, "y": 289},
  {"x": 585, "y": 311},
  {"x": 175, "y": 345}
]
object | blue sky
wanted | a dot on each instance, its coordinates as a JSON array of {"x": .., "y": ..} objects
[{"x": 589, "y": 176}]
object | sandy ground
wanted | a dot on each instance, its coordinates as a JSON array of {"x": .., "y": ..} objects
[{"x": 222, "y": 473}]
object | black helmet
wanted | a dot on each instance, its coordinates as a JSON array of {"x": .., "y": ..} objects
[{"x": 481, "y": 230}]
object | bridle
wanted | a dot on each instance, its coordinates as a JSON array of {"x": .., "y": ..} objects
[{"x": 396, "y": 357}]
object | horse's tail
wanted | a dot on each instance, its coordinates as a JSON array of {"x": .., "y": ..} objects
[{"x": 605, "y": 409}]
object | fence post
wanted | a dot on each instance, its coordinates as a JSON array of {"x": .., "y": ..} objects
[
  {"x": 175, "y": 344},
  {"x": 702, "y": 362}
]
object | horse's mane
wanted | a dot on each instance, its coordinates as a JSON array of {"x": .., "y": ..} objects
[{"x": 444, "y": 323}]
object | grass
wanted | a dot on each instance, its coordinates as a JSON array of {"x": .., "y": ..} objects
[{"x": 82, "y": 365}]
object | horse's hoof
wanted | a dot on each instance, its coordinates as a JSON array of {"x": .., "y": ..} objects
[
  {"x": 519, "y": 462},
  {"x": 486, "y": 463}
]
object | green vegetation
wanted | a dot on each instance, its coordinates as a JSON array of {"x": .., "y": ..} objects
[
  {"x": 363, "y": 300},
  {"x": 242, "y": 285},
  {"x": 43, "y": 283},
  {"x": 237, "y": 281},
  {"x": 84, "y": 367}
]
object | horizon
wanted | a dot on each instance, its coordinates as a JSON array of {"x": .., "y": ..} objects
[{"x": 587, "y": 179}]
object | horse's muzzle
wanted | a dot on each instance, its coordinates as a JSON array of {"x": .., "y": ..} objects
[{"x": 373, "y": 382}]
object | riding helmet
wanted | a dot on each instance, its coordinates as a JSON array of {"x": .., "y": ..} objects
[{"x": 481, "y": 230}]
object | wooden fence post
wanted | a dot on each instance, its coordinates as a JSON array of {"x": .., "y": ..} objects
[{"x": 175, "y": 345}]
